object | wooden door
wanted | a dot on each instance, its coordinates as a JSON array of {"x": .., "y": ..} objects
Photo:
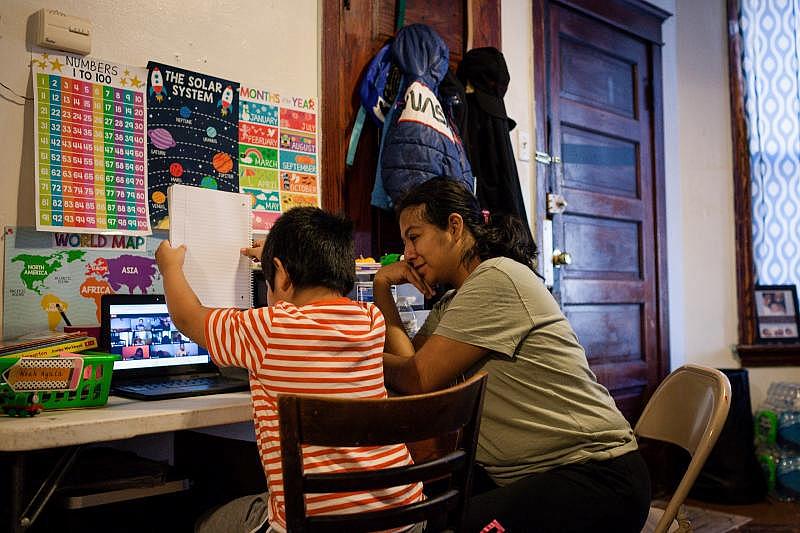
[
  {"x": 353, "y": 31},
  {"x": 600, "y": 79}
]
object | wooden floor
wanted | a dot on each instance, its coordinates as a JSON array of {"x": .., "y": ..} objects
[{"x": 768, "y": 516}]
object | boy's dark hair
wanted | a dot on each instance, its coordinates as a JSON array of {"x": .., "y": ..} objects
[
  {"x": 315, "y": 247},
  {"x": 501, "y": 236}
]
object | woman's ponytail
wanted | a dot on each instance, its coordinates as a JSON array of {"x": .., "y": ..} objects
[{"x": 505, "y": 236}]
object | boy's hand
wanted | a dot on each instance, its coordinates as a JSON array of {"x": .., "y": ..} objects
[
  {"x": 254, "y": 252},
  {"x": 400, "y": 273},
  {"x": 167, "y": 256}
]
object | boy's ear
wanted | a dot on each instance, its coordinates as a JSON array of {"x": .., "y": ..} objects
[{"x": 282, "y": 279}]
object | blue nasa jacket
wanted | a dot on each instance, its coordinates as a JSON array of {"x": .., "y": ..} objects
[{"x": 418, "y": 142}]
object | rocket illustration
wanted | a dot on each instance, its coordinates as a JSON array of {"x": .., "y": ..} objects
[
  {"x": 156, "y": 84},
  {"x": 226, "y": 100}
]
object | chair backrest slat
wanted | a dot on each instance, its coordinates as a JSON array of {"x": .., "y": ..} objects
[
  {"x": 394, "y": 517},
  {"x": 352, "y": 422},
  {"x": 390, "y": 477},
  {"x": 442, "y": 413}
]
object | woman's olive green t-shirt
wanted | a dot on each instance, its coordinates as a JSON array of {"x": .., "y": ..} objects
[{"x": 543, "y": 406}]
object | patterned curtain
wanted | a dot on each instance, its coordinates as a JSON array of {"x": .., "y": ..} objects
[{"x": 771, "y": 70}]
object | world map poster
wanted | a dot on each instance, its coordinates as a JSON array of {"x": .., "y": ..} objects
[
  {"x": 192, "y": 130},
  {"x": 74, "y": 271}
]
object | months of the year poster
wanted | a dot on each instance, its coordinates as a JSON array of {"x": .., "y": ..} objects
[{"x": 91, "y": 156}]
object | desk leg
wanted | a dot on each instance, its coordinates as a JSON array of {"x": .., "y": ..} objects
[
  {"x": 16, "y": 491},
  {"x": 21, "y": 520}
]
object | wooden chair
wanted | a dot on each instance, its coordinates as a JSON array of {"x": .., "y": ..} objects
[
  {"x": 343, "y": 422},
  {"x": 688, "y": 409}
]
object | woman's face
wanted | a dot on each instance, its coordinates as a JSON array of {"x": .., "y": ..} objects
[{"x": 430, "y": 250}]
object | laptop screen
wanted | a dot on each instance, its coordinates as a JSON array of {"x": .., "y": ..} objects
[{"x": 140, "y": 329}]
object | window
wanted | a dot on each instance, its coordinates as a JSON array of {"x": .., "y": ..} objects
[{"x": 765, "y": 101}]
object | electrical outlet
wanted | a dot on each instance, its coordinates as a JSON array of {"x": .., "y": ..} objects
[{"x": 524, "y": 146}]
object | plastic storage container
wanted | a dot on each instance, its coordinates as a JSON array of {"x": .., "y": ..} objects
[{"x": 93, "y": 386}]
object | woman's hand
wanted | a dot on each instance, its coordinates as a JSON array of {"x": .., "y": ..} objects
[
  {"x": 168, "y": 257},
  {"x": 255, "y": 251},
  {"x": 400, "y": 273}
]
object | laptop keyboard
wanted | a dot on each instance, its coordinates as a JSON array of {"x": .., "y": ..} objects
[
  {"x": 177, "y": 388},
  {"x": 177, "y": 384}
]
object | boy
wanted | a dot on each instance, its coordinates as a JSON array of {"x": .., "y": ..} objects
[{"x": 311, "y": 339}]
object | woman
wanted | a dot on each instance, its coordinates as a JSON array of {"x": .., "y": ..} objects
[{"x": 554, "y": 453}]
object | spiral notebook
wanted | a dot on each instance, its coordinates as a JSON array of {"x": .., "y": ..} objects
[{"x": 214, "y": 226}]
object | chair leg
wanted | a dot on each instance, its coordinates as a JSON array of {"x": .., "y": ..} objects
[{"x": 682, "y": 517}]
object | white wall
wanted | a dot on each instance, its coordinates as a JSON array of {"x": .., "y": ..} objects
[
  {"x": 517, "y": 46},
  {"x": 707, "y": 251},
  {"x": 264, "y": 43}
]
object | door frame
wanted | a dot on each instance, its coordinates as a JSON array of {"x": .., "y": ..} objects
[
  {"x": 643, "y": 21},
  {"x": 483, "y": 30}
]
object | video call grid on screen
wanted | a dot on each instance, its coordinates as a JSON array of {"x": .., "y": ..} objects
[{"x": 146, "y": 337}]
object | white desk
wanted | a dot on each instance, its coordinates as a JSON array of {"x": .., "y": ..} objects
[{"x": 120, "y": 419}]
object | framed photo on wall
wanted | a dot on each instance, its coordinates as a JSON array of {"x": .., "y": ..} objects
[{"x": 776, "y": 313}]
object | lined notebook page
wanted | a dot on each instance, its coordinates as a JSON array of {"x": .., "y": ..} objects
[{"x": 214, "y": 226}]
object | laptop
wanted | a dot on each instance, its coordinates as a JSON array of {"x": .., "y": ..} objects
[{"x": 158, "y": 362}]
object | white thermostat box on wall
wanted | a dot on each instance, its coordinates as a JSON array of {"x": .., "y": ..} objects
[{"x": 54, "y": 29}]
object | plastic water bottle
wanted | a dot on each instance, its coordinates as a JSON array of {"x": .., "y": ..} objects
[
  {"x": 788, "y": 478},
  {"x": 407, "y": 315},
  {"x": 777, "y": 439}
]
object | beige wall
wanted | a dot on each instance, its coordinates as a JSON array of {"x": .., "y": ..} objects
[
  {"x": 517, "y": 45},
  {"x": 264, "y": 43},
  {"x": 707, "y": 253}
]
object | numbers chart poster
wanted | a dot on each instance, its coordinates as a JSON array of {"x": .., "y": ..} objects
[
  {"x": 91, "y": 165},
  {"x": 277, "y": 153},
  {"x": 193, "y": 122}
]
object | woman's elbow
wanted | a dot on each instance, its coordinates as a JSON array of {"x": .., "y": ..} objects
[{"x": 421, "y": 381}]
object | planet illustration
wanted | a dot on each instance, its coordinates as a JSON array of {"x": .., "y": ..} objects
[
  {"x": 158, "y": 197},
  {"x": 176, "y": 170},
  {"x": 211, "y": 131},
  {"x": 161, "y": 138},
  {"x": 208, "y": 182},
  {"x": 186, "y": 112},
  {"x": 222, "y": 162}
]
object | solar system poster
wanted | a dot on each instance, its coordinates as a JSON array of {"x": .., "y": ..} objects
[{"x": 192, "y": 130}]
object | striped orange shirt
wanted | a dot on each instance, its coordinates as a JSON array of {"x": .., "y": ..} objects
[{"x": 331, "y": 348}]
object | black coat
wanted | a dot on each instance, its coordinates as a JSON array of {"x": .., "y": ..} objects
[{"x": 488, "y": 144}]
